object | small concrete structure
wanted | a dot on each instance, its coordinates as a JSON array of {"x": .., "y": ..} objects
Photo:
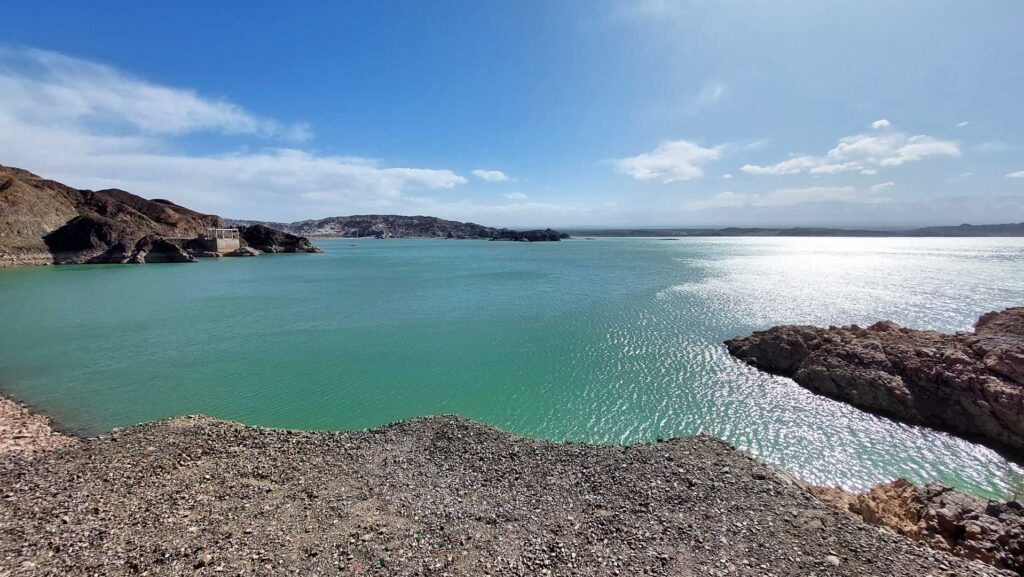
[{"x": 222, "y": 240}]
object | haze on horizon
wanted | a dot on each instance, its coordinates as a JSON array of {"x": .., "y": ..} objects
[{"x": 659, "y": 113}]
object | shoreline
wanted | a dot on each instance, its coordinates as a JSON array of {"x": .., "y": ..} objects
[
  {"x": 454, "y": 473},
  {"x": 26, "y": 432}
]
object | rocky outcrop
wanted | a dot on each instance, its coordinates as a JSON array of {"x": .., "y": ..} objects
[
  {"x": 44, "y": 222},
  {"x": 266, "y": 239},
  {"x": 156, "y": 249},
  {"x": 244, "y": 251},
  {"x": 529, "y": 235},
  {"x": 430, "y": 496},
  {"x": 396, "y": 226},
  {"x": 941, "y": 517},
  {"x": 970, "y": 384}
]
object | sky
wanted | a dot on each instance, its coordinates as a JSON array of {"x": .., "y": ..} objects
[{"x": 679, "y": 113}]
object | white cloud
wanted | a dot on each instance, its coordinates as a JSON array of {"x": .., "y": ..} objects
[
  {"x": 962, "y": 124},
  {"x": 881, "y": 186},
  {"x": 671, "y": 161},
  {"x": 789, "y": 197},
  {"x": 55, "y": 90},
  {"x": 869, "y": 171},
  {"x": 794, "y": 165},
  {"x": 727, "y": 176},
  {"x": 90, "y": 125},
  {"x": 490, "y": 175},
  {"x": 864, "y": 153},
  {"x": 515, "y": 196},
  {"x": 1018, "y": 174},
  {"x": 880, "y": 124}
]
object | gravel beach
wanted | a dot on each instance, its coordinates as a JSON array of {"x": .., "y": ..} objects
[{"x": 428, "y": 496}]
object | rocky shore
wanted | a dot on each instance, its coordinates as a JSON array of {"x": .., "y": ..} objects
[
  {"x": 23, "y": 433},
  {"x": 940, "y": 517},
  {"x": 430, "y": 496},
  {"x": 970, "y": 384}
]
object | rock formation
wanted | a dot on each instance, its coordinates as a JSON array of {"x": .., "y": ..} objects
[
  {"x": 395, "y": 226},
  {"x": 529, "y": 235},
  {"x": 942, "y": 518},
  {"x": 44, "y": 222},
  {"x": 244, "y": 251},
  {"x": 266, "y": 239},
  {"x": 970, "y": 384}
]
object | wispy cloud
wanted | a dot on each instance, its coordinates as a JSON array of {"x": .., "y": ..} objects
[
  {"x": 52, "y": 89},
  {"x": 92, "y": 125},
  {"x": 490, "y": 175},
  {"x": 1018, "y": 174},
  {"x": 671, "y": 161},
  {"x": 515, "y": 196},
  {"x": 864, "y": 153},
  {"x": 962, "y": 124},
  {"x": 881, "y": 186},
  {"x": 789, "y": 197}
]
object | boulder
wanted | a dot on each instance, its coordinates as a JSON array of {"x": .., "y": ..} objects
[{"x": 244, "y": 251}]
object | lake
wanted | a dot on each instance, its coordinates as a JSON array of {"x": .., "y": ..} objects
[{"x": 611, "y": 340}]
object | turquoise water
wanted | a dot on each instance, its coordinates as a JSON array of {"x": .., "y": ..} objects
[{"x": 606, "y": 340}]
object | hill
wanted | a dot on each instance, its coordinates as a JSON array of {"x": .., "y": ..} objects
[
  {"x": 44, "y": 222},
  {"x": 397, "y": 226}
]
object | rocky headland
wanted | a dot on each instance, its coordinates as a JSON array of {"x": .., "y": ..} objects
[
  {"x": 428, "y": 496},
  {"x": 46, "y": 222},
  {"x": 397, "y": 226},
  {"x": 970, "y": 384},
  {"x": 266, "y": 239}
]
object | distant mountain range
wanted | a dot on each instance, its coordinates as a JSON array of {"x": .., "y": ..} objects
[
  {"x": 396, "y": 226},
  {"x": 963, "y": 230}
]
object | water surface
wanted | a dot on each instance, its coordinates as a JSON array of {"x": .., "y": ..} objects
[{"x": 606, "y": 340}]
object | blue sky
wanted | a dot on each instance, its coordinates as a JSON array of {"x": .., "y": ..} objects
[{"x": 646, "y": 113}]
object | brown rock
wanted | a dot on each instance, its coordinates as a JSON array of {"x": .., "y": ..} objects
[
  {"x": 970, "y": 384},
  {"x": 46, "y": 222},
  {"x": 941, "y": 517}
]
